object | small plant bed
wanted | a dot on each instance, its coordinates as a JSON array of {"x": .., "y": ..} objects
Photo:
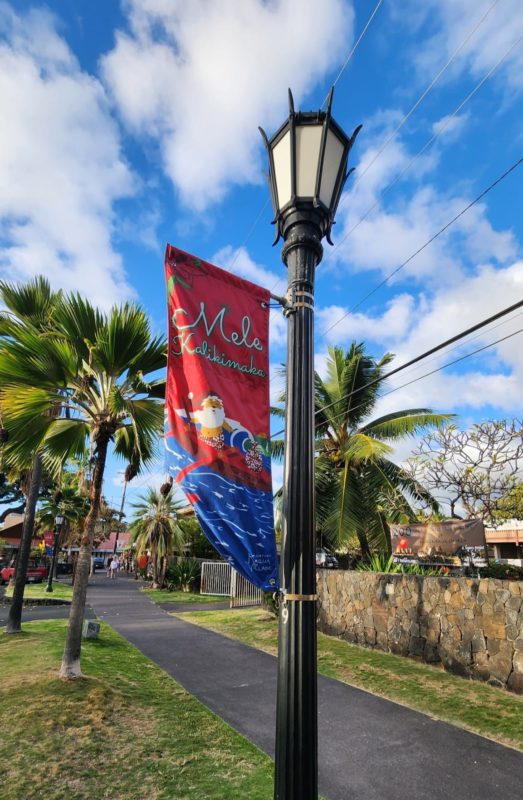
[
  {"x": 126, "y": 732},
  {"x": 35, "y": 592},
  {"x": 176, "y": 596},
  {"x": 494, "y": 713}
]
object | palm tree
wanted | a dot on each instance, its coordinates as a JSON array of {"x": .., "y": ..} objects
[
  {"x": 29, "y": 311},
  {"x": 156, "y": 529},
  {"x": 85, "y": 382},
  {"x": 67, "y": 500},
  {"x": 360, "y": 489}
]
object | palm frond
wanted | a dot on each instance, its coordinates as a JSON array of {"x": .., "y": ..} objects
[
  {"x": 362, "y": 449},
  {"x": 277, "y": 448},
  {"x": 33, "y": 303},
  {"x": 405, "y": 423},
  {"x": 80, "y": 322}
]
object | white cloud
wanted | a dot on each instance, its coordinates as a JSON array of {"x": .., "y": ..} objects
[
  {"x": 451, "y": 126},
  {"x": 392, "y": 325},
  {"x": 453, "y": 20},
  {"x": 60, "y": 164},
  {"x": 494, "y": 379},
  {"x": 240, "y": 263},
  {"x": 198, "y": 77},
  {"x": 388, "y": 235}
]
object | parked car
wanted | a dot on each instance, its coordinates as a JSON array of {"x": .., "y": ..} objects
[
  {"x": 36, "y": 572},
  {"x": 326, "y": 560},
  {"x": 98, "y": 563}
]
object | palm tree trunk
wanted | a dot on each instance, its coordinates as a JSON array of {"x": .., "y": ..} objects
[
  {"x": 163, "y": 568},
  {"x": 14, "y": 622},
  {"x": 70, "y": 667},
  {"x": 155, "y": 571},
  {"x": 120, "y": 516},
  {"x": 364, "y": 545}
]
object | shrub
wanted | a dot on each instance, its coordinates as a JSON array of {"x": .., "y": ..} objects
[
  {"x": 271, "y": 602},
  {"x": 382, "y": 562},
  {"x": 502, "y": 572},
  {"x": 183, "y": 574}
]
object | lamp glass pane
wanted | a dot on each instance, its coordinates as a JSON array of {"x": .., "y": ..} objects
[
  {"x": 308, "y": 141},
  {"x": 281, "y": 154},
  {"x": 331, "y": 166}
]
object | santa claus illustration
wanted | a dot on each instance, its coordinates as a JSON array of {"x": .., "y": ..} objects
[{"x": 217, "y": 430}]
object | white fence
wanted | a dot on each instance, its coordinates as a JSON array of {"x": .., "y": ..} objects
[
  {"x": 243, "y": 592},
  {"x": 216, "y": 578},
  {"x": 219, "y": 578}
]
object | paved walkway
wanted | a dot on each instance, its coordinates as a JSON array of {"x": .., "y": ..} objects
[{"x": 370, "y": 749}]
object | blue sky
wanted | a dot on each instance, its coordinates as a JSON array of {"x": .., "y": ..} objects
[{"x": 129, "y": 124}]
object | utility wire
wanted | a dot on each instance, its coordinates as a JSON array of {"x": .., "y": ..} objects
[
  {"x": 247, "y": 238},
  {"x": 426, "y": 374},
  {"x": 420, "y": 249},
  {"x": 410, "y": 258},
  {"x": 455, "y": 361},
  {"x": 360, "y": 37},
  {"x": 420, "y": 99},
  {"x": 431, "y": 141},
  {"x": 479, "y": 335},
  {"x": 340, "y": 73},
  {"x": 430, "y": 352}
]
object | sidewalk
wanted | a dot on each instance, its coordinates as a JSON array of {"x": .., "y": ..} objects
[{"x": 369, "y": 748}]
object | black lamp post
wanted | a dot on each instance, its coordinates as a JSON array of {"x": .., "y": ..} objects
[
  {"x": 307, "y": 171},
  {"x": 58, "y": 522}
]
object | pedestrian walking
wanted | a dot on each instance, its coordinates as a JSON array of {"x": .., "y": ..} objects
[{"x": 113, "y": 567}]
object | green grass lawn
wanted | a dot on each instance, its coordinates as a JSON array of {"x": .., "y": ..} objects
[
  {"x": 36, "y": 591},
  {"x": 164, "y": 596},
  {"x": 126, "y": 732},
  {"x": 491, "y": 712}
]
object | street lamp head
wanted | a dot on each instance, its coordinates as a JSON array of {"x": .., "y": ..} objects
[
  {"x": 59, "y": 520},
  {"x": 308, "y": 159}
]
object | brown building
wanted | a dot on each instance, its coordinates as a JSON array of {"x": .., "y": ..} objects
[{"x": 507, "y": 541}]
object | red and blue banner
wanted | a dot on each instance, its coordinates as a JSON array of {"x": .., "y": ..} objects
[{"x": 217, "y": 410}]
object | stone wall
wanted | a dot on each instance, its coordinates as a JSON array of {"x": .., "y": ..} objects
[{"x": 472, "y": 627}]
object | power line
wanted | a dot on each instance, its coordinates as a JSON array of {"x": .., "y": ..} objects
[
  {"x": 455, "y": 361},
  {"x": 420, "y": 249},
  {"x": 478, "y": 335},
  {"x": 422, "y": 96},
  {"x": 360, "y": 37},
  {"x": 340, "y": 73},
  {"x": 432, "y": 372},
  {"x": 431, "y": 351},
  {"x": 431, "y": 141},
  {"x": 247, "y": 238}
]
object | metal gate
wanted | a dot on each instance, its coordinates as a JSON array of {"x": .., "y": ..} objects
[
  {"x": 216, "y": 578},
  {"x": 243, "y": 592},
  {"x": 219, "y": 578}
]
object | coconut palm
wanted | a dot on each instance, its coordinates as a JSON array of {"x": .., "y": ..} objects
[
  {"x": 157, "y": 529},
  {"x": 85, "y": 382},
  {"x": 360, "y": 489},
  {"x": 65, "y": 502},
  {"x": 29, "y": 310}
]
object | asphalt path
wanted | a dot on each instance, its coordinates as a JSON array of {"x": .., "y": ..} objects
[{"x": 369, "y": 748}]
